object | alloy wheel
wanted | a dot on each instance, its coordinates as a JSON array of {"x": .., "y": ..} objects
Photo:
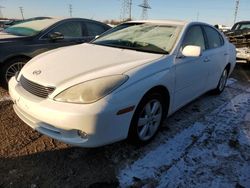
[
  {"x": 13, "y": 69},
  {"x": 149, "y": 119},
  {"x": 223, "y": 80}
]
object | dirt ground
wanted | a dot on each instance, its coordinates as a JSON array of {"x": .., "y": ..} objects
[{"x": 29, "y": 159}]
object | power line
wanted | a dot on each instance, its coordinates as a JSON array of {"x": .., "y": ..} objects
[
  {"x": 21, "y": 10},
  {"x": 145, "y": 6}
]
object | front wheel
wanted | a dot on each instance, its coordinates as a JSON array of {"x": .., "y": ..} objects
[
  {"x": 222, "y": 82},
  {"x": 147, "y": 119}
]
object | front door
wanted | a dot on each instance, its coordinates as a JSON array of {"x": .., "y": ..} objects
[{"x": 191, "y": 73}]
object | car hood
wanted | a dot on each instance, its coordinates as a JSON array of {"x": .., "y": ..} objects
[{"x": 71, "y": 64}]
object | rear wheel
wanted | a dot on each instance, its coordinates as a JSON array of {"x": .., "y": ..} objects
[
  {"x": 222, "y": 82},
  {"x": 147, "y": 119},
  {"x": 10, "y": 68}
]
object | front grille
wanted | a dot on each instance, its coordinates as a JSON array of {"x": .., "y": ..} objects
[{"x": 36, "y": 89}]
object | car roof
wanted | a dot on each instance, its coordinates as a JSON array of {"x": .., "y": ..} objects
[
  {"x": 47, "y": 22},
  {"x": 242, "y": 22},
  {"x": 38, "y": 24}
]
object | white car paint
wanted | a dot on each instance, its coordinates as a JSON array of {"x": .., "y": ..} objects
[{"x": 185, "y": 78}]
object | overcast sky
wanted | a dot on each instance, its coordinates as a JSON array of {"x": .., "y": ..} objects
[{"x": 211, "y": 11}]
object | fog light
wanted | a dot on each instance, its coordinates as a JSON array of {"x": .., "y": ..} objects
[{"x": 82, "y": 134}]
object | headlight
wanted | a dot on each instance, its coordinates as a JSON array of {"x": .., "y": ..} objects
[{"x": 92, "y": 90}]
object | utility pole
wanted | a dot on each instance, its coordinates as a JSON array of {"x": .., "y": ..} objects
[
  {"x": 1, "y": 13},
  {"x": 236, "y": 10},
  {"x": 70, "y": 10},
  {"x": 145, "y": 6},
  {"x": 130, "y": 9},
  {"x": 21, "y": 10},
  {"x": 126, "y": 12}
]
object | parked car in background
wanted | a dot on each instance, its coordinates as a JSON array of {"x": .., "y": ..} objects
[
  {"x": 241, "y": 26},
  {"x": 123, "y": 84},
  {"x": 239, "y": 35},
  {"x": 21, "y": 42}
]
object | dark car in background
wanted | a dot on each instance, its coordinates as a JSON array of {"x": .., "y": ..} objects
[
  {"x": 239, "y": 35},
  {"x": 243, "y": 25},
  {"x": 21, "y": 42}
]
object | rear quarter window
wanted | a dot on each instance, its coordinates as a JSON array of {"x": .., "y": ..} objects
[{"x": 95, "y": 29}]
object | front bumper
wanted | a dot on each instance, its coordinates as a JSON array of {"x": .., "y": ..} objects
[{"x": 63, "y": 121}]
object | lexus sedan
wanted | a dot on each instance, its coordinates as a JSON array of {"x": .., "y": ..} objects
[
  {"x": 123, "y": 84},
  {"x": 21, "y": 42}
]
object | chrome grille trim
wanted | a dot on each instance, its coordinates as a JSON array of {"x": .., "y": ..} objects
[{"x": 36, "y": 89}]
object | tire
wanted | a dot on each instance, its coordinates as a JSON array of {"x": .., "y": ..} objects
[
  {"x": 222, "y": 82},
  {"x": 151, "y": 112},
  {"x": 10, "y": 68}
]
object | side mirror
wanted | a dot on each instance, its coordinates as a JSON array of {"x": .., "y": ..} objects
[
  {"x": 97, "y": 36},
  {"x": 56, "y": 36},
  {"x": 191, "y": 51}
]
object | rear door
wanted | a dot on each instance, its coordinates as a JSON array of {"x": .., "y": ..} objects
[{"x": 217, "y": 55}]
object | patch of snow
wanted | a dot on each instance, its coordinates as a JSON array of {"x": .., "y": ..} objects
[
  {"x": 247, "y": 117},
  {"x": 244, "y": 137},
  {"x": 163, "y": 155},
  {"x": 223, "y": 150},
  {"x": 212, "y": 153},
  {"x": 231, "y": 81}
]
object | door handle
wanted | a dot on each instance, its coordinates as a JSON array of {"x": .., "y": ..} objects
[{"x": 225, "y": 54}]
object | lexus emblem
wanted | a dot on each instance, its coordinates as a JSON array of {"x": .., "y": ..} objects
[{"x": 37, "y": 72}]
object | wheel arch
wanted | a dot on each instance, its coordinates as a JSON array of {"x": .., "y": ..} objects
[
  {"x": 4, "y": 66},
  {"x": 15, "y": 57},
  {"x": 228, "y": 67},
  {"x": 132, "y": 136},
  {"x": 164, "y": 92}
]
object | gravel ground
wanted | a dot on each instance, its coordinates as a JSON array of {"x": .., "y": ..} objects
[{"x": 29, "y": 159}]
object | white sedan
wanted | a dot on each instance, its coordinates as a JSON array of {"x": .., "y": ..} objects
[{"x": 123, "y": 84}]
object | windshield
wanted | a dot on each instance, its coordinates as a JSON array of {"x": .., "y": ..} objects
[
  {"x": 30, "y": 28},
  {"x": 152, "y": 38}
]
